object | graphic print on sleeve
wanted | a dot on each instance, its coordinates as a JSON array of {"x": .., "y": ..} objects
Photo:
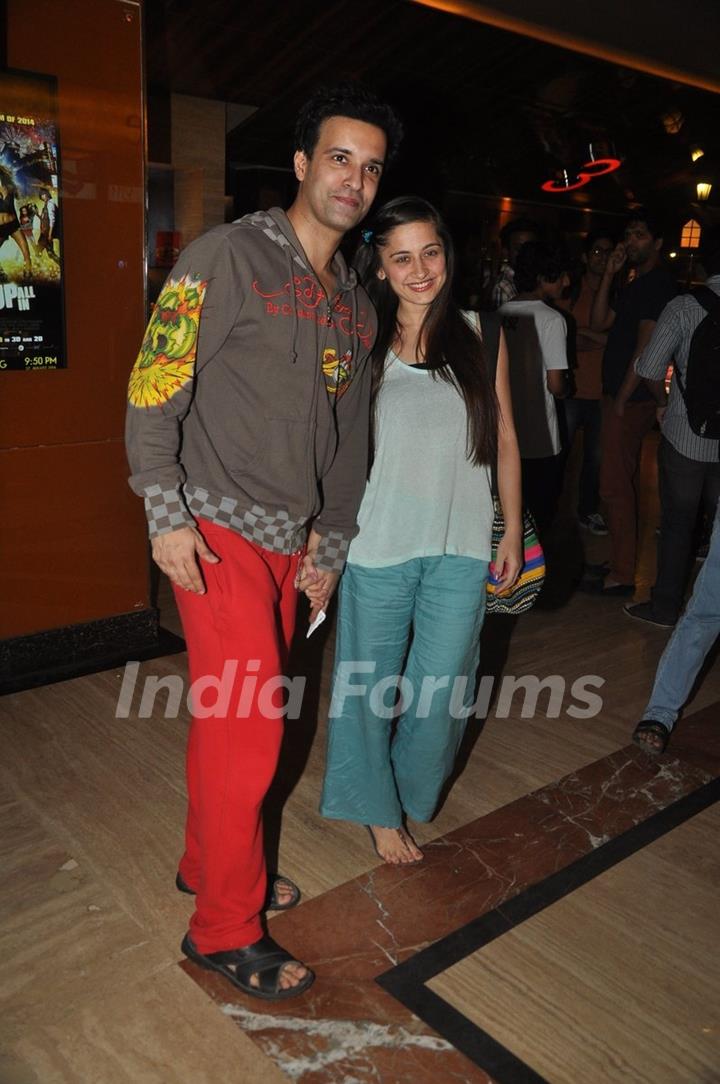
[{"x": 166, "y": 360}]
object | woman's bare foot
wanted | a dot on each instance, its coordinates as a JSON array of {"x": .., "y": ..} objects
[{"x": 395, "y": 846}]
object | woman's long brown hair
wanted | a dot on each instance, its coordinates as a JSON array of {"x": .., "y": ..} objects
[{"x": 453, "y": 350}]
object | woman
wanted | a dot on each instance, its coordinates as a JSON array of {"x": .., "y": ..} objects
[
  {"x": 420, "y": 561},
  {"x": 9, "y": 222}
]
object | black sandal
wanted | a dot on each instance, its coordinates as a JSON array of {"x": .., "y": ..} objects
[
  {"x": 271, "y": 900},
  {"x": 265, "y": 958},
  {"x": 652, "y": 728}
]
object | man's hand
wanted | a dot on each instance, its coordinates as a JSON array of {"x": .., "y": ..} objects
[
  {"x": 177, "y": 553},
  {"x": 318, "y": 585},
  {"x": 616, "y": 259}
]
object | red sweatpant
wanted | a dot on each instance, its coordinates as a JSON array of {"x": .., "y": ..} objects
[{"x": 246, "y": 616}]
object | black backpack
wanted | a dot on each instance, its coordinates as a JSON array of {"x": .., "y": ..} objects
[{"x": 701, "y": 387}]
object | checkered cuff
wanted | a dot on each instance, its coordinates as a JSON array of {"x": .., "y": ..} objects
[
  {"x": 165, "y": 510},
  {"x": 332, "y": 552}
]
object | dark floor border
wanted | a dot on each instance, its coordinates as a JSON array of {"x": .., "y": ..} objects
[
  {"x": 43, "y": 658},
  {"x": 406, "y": 981}
]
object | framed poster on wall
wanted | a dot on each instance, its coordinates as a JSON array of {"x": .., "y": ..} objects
[{"x": 31, "y": 264}]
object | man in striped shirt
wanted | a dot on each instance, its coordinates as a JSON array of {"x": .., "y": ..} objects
[{"x": 688, "y": 466}]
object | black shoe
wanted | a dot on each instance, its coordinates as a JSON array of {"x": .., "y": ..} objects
[
  {"x": 597, "y": 570},
  {"x": 271, "y": 900},
  {"x": 594, "y": 523},
  {"x": 643, "y": 611},
  {"x": 615, "y": 590}
]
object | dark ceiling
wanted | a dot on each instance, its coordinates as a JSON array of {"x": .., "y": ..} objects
[{"x": 486, "y": 111}]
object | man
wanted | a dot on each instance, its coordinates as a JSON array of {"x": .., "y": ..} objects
[
  {"x": 536, "y": 340},
  {"x": 248, "y": 401},
  {"x": 48, "y": 225},
  {"x": 688, "y": 467},
  {"x": 512, "y": 237},
  {"x": 687, "y": 649},
  {"x": 582, "y": 409},
  {"x": 628, "y": 408}
]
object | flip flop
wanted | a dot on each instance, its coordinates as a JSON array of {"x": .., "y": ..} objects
[
  {"x": 654, "y": 729},
  {"x": 271, "y": 900},
  {"x": 265, "y": 958}
]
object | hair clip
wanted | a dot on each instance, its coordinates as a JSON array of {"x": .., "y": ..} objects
[{"x": 367, "y": 236}]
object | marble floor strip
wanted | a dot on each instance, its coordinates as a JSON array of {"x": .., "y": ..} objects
[{"x": 375, "y": 939}]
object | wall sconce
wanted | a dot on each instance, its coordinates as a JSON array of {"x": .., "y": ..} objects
[
  {"x": 672, "y": 120},
  {"x": 704, "y": 188},
  {"x": 696, "y": 152}
]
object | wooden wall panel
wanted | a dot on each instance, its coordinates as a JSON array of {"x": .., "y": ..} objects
[{"x": 72, "y": 537}]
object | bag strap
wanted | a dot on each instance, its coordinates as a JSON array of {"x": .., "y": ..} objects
[
  {"x": 709, "y": 300},
  {"x": 490, "y": 324}
]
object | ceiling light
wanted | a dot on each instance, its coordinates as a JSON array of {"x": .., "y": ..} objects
[
  {"x": 598, "y": 166},
  {"x": 564, "y": 184}
]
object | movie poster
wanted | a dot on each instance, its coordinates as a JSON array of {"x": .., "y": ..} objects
[{"x": 31, "y": 268}]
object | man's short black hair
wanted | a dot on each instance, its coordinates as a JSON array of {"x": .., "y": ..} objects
[
  {"x": 537, "y": 260},
  {"x": 650, "y": 218},
  {"x": 346, "y": 100},
  {"x": 709, "y": 253},
  {"x": 518, "y": 225}
]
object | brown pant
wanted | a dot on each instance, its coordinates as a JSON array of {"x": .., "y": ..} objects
[{"x": 619, "y": 471}]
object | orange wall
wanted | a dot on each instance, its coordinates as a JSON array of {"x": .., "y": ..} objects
[{"x": 72, "y": 537}]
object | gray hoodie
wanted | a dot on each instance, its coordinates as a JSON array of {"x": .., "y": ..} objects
[{"x": 248, "y": 403}]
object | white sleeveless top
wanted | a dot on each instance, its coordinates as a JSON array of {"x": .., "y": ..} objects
[{"x": 424, "y": 498}]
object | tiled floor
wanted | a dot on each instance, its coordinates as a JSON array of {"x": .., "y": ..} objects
[
  {"x": 565, "y": 873},
  {"x": 504, "y": 866}
]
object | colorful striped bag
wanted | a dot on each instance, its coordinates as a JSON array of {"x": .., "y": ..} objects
[{"x": 529, "y": 583}]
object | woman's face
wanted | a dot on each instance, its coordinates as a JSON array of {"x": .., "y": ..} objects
[{"x": 413, "y": 262}]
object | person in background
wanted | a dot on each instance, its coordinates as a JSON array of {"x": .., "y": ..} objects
[
  {"x": 536, "y": 335},
  {"x": 512, "y": 237},
  {"x": 688, "y": 467},
  {"x": 628, "y": 408},
  {"x": 441, "y": 417},
  {"x": 582, "y": 408},
  {"x": 686, "y": 651}
]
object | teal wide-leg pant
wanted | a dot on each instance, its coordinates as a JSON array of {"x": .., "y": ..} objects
[{"x": 368, "y": 777}]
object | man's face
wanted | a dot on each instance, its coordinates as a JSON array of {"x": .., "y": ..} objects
[
  {"x": 640, "y": 245},
  {"x": 517, "y": 240},
  {"x": 597, "y": 257},
  {"x": 339, "y": 182}
]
